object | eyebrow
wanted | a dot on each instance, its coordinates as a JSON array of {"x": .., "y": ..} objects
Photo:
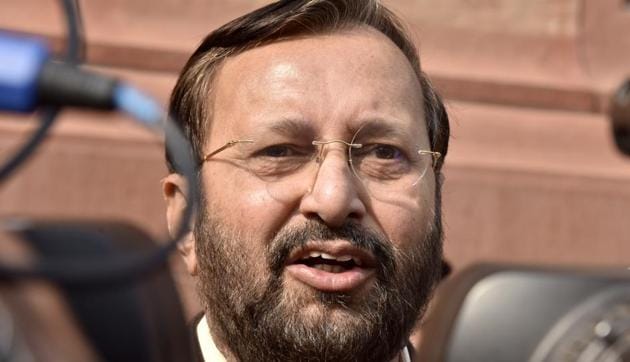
[
  {"x": 380, "y": 127},
  {"x": 292, "y": 127},
  {"x": 299, "y": 127}
]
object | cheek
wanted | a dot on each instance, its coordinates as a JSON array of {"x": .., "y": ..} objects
[
  {"x": 407, "y": 222},
  {"x": 244, "y": 205}
]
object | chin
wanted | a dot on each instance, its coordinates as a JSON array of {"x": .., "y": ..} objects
[{"x": 313, "y": 306}]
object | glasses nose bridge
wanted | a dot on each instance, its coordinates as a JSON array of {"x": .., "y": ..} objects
[
  {"x": 321, "y": 153},
  {"x": 321, "y": 145},
  {"x": 334, "y": 176}
]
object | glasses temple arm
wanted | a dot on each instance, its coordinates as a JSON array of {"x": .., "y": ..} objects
[{"x": 224, "y": 147}]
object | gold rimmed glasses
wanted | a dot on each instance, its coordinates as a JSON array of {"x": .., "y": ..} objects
[{"x": 386, "y": 162}]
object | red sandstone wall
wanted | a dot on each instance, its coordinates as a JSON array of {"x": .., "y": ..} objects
[{"x": 532, "y": 175}]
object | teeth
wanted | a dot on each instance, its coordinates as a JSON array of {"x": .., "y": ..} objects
[
  {"x": 343, "y": 258},
  {"x": 330, "y": 268}
]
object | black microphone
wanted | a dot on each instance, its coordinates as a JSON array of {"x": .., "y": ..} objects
[
  {"x": 30, "y": 78},
  {"x": 620, "y": 116}
]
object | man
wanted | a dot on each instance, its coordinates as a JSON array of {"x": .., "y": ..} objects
[{"x": 320, "y": 144}]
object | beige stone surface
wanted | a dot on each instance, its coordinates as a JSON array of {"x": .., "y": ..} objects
[
  {"x": 522, "y": 48},
  {"x": 534, "y": 17},
  {"x": 534, "y": 186}
]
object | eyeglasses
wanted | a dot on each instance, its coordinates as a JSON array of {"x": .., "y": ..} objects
[{"x": 385, "y": 162}]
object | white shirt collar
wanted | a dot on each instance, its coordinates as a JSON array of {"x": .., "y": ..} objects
[
  {"x": 210, "y": 352},
  {"x": 404, "y": 354}
]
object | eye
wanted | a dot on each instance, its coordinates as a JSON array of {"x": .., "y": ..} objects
[
  {"x": 277, "y": 160},
  {"x": 386, "y": 152},
  {"x": 281, "y": 151},
  {"x": 277, "y": 151}
]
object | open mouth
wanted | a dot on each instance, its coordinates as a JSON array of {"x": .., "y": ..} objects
[
  {"x": 330, "y": 263},
  {"x": 332, "y": 266}
]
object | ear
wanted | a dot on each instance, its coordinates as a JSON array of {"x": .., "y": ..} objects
[{"x": 174, "y": 190}]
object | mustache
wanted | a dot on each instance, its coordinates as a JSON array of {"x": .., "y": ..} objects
[{"x": 359, "y": 236}]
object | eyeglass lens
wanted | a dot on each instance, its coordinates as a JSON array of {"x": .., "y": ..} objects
[{"x": 388, "y": 165}]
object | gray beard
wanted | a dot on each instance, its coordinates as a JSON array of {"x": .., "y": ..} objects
[{"x": 257, "y": 320}]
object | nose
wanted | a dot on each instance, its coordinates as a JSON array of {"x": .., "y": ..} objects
[{"x": 336, "y": 194}]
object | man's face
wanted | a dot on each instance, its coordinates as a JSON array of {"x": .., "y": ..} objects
[{"x": 261, "y": 247}]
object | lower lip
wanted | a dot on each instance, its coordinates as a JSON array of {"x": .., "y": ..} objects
[{"x": 330, "y": 282}]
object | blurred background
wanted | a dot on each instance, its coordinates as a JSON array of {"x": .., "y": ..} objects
[{"x": 532, "y": 175}]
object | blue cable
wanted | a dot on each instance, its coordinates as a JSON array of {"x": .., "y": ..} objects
[{"x": 138, "y": 105}]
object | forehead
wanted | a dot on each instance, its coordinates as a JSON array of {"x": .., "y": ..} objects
[{"x": 328, "y": 84}]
